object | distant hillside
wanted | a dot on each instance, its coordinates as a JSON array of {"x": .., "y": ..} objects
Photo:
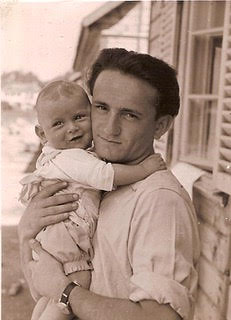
[
  {"x": 19, "y": 90},
  {"x": 17, "y": 76}
]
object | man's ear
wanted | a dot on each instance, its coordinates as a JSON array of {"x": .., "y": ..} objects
[
  {"x": 162, "y": 124},
  {"x": 40, "y": 133}
]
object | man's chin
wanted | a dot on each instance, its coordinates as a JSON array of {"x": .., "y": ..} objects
[{"x": 109, "y": 157}]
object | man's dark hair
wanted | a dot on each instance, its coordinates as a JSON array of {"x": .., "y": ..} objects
[{"x": 145, "y": 67}]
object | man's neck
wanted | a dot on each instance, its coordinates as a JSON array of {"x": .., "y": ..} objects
[{"x": 140, "y": 159}]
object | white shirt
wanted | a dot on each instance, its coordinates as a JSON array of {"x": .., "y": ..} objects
[{"x": 146, "y": 244}]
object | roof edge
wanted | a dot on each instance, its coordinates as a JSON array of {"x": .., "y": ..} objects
[{"x": 100, "y": 12}]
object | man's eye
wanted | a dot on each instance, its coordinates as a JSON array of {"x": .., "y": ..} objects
[
  {"x": 130, "y": 116},
  {"x": 57, "y": 123},
  {"x": 101, "y": 107}
]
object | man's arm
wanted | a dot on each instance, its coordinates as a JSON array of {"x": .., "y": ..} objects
[
  {"x": 49, "y": 280},
  {"x": 90, "y": 306}
]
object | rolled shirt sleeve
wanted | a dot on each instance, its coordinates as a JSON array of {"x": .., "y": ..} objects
[{"x": 163, "y": 263}]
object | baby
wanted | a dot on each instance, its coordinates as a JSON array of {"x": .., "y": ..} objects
[{"x": 64, "y": 117}]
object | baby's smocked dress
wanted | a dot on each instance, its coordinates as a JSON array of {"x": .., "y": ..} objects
[{"x": 70, "y": 241}]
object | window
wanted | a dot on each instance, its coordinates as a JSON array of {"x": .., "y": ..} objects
[{"x": 203, "y": 69}]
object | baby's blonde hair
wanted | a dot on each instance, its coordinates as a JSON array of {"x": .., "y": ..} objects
[{"x": 57, "y": 89}]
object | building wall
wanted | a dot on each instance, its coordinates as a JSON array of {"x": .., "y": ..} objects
[
  {"x": 213, "y": 209},
  {"x": 131, "y": 32},
  {"x": 214, "y": 268}
]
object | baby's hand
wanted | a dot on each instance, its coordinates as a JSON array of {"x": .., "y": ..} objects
[{"x": 153, "y": 163}]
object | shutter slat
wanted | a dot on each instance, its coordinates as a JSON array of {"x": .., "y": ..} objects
[
  {"x": 227, "y": 103},
  {"x": 227, "y": 91},
  {"x": 222, "y": 163},
  {"x": 228, "y": 65},
  {"x": 226, "y": 129},
  {"x": 226, "y": 154},
  {"x": 225, "y": 166},
  {"x": 226, "y": 116},
  {"x": 226, "y": 141}
]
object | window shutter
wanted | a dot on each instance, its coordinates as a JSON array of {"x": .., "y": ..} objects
[
  {"x": 162, "y": 44},
  {"x": 222, "y": 163}
]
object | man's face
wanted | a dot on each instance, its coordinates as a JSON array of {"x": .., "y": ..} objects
[{"x": 123, "y": 117}]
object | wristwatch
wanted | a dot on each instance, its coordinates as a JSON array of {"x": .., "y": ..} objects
[{"x": 64, "y": 303}]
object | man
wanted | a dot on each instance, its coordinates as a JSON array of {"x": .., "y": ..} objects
[{"x": 146, "y": 243}]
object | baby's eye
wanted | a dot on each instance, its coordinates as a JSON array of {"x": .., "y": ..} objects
[
  {"x": 57, "y": 123},
  {"x": 79, "y": 116}
]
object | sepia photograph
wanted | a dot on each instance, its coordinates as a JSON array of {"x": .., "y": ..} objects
[{"x": 116, "y": 160}]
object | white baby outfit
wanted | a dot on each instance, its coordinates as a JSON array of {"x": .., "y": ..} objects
[{"x": 70, "y": 241}]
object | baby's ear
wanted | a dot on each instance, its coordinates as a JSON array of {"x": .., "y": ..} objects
[{"x": 40, "y": 133}]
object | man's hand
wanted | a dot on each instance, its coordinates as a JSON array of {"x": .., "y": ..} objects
[
  {"x": 46, "y": 208},
  {"x": 47, "y": 273},
  {"x": 153, "y": 163}
]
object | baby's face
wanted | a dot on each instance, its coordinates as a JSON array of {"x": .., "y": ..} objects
[{"x": 66, "y": 123}]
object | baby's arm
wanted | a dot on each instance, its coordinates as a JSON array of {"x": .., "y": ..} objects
[
  {"x": 87, "y": 169},
  {"x": 126, "y": 174}
]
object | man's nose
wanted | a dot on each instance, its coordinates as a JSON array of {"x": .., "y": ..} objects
[{"x": 113, "y": 126}]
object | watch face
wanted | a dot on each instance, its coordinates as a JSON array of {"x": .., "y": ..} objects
[{"x": 63, "y": 307}]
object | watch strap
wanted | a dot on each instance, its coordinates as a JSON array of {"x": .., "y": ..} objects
[{"x": 64, "y": 300}]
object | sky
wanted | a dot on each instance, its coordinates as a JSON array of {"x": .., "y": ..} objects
[{"x": 40, "y": 36}]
